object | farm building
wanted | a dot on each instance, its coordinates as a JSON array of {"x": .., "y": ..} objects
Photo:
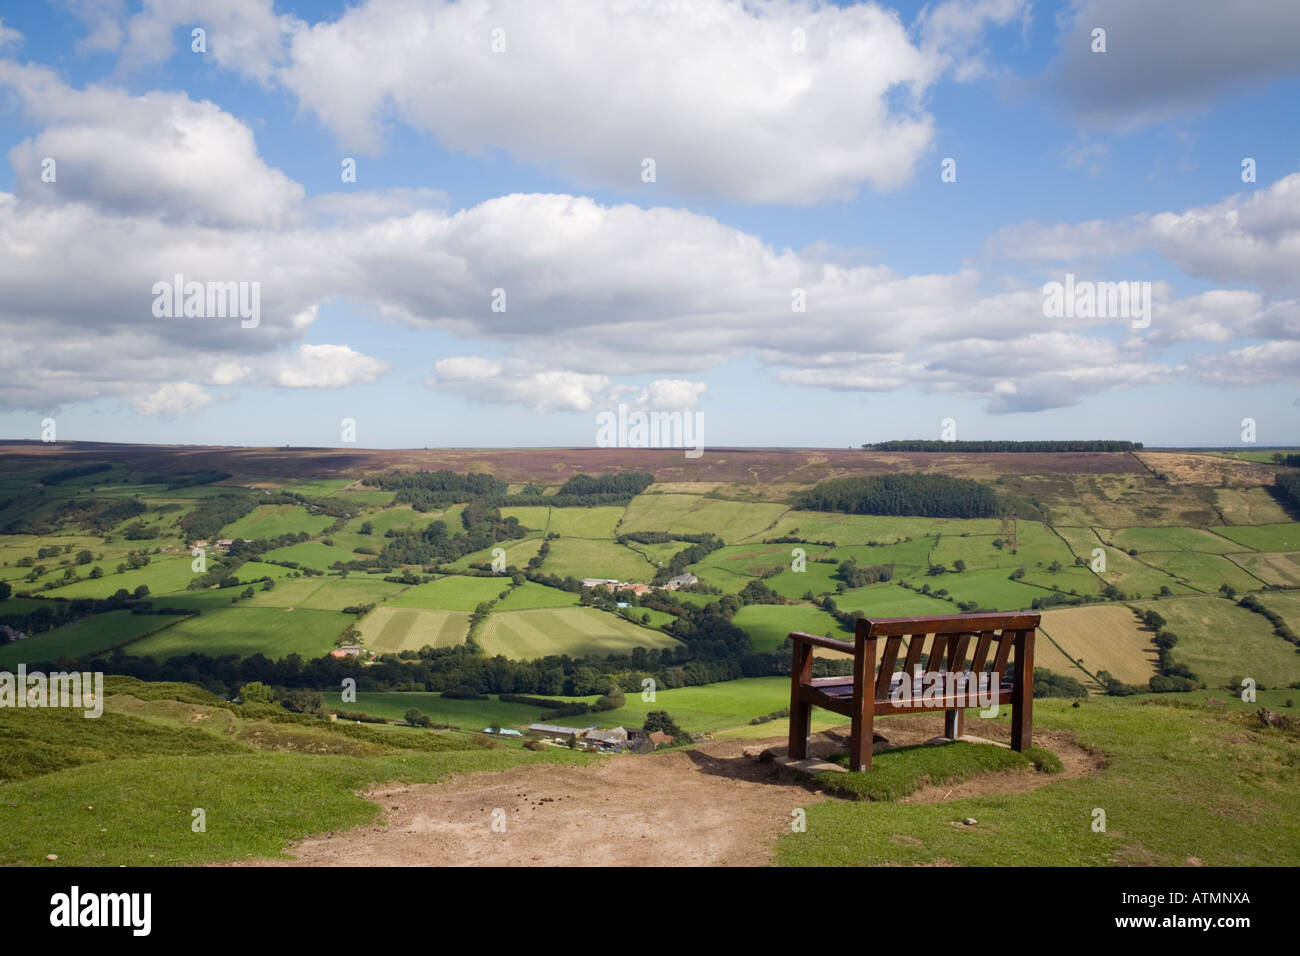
[
  {"x": 681, "y": 581},
  {"x": 554, "y": 730},
  {"x": 502, "y": 732},
  {"x": 613, "y": 738}
]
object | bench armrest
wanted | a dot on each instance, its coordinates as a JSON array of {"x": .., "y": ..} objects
[{"x": 828, "y": 642}]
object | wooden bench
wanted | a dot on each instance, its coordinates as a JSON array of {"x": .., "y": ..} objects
[{"x": 869, "y": 690}]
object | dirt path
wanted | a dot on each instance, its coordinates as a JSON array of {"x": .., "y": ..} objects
[{"x": 712, "y": 806}]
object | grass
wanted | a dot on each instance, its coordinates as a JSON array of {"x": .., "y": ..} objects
[
  {"x": 1122, "y": 570},
  {"x": 702, "y": 709},
  {"x": 128, "y": 798},
  {"x": 1278, "y": 568},
  {"x": 1177, "y": 539},
  {"x": 1206, "y": 572},
  {"x": 596, "y": 522},
  {"x": 992, "y": 589},
  {"x": 1218, "y": 639},
  {"x": 1247, "y": 506},
  {"x": 732, "y": 521},
  {"x": 890, "y": 600},
  {"x": 576, "y": 631},
  {"x": 392, "y": 629},
  {"x": 1100, "y": 637},
  {"x": 330, "y": 593},
  {"x": 768, "y": 624},
  {"x": 1183, "y": 784},
  {"x": 275, "y": 632},
  {"x": 453, "y": 593},
  {"x": 467, "y": 714},
  {"x": 900, "y": 773},
  {"x": 271, "y": 521},
  {"x": 584, "y": 558},
  {"x": 530, "y": 595},
  {"x": 89, "y": 635},
  {"x": 312, "y": 554},
  {"x": 1269, "y": 537},
  {"x": 518, "y": 554},
  {"x": 863, "y": 529},
  {"x": 163, "y": 573}
]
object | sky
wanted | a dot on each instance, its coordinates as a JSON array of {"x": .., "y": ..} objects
[{"x": 484, "y": 223}]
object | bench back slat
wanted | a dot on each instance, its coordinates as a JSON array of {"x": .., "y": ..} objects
[
  {"x": 915, "y": 646},
  {"x": 981, "y": 655},
  {"x": 888, "y": 658},
  {"x": 1005, "y": 641},
  {"x": 957, "y": 652}
]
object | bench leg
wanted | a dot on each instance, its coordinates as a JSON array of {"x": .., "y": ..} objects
[
  {"x": 800, "y": 725},
  {"x": 800, "y": 710},
  {"x": 1022, "y": 702},
  {"x": 861, "y": 741},
  {"x": 862, "y": 735},
  {"x": 953, "y": 723}
]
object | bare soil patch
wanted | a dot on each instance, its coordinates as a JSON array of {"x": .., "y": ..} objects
[{"x": 716, "y": 805}]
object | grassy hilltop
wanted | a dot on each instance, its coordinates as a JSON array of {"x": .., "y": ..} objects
[{"x": 1164, "y": 580}]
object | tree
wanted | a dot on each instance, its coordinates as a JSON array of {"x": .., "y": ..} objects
[
  {"x": 142, "y": 591},
  {"x": 5, "y": 590},
  {"x": 96, "y": 573},
  {"x": 366, "y": 528},
  {"x": 959, "y": 565},
  {"x": 416, "y": 719},
  {"x": 255, "y": 692},
  {"x": 662, "y": 721},
  {"x": 84, "y": 557},
  {"x": 573, "y": 741}
]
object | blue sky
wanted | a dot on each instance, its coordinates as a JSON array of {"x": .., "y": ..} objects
[{"x": 776, "y": 169}]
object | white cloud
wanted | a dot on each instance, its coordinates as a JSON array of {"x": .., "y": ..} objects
[
  {"x": 327, "y": 366},
  {"x": 9, "y": 36},
  {"x": 1248, "y": 237},
  {"x": 159, "y": 154},
  {"x": 515, "y": 382},
  {"x": 174, "y": 398}
]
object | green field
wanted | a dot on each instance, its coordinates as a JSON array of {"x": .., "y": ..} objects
[
  {"x": 1206, "y": 572},
  {"x": 518, "y": 554},
  {"x": 388, "y": 630},
  {"x": 732, "y": 521},
  {"x": 704, "y": 709},
  {"x": 1176, "y": 539},
  {"x": 312, "y": 554},
  {"x": 453, "y": 593},
  {"x": 584, "y": 522},
  {"x": 274, "y": 632},
  {"x": 271, "y": 521},
  {"x": 1268, "y": 537},
  {"x": 529, "y": 596},
  {"x": 576, "y": 631},
  {"x": 768, "y": 624},
  {"x": 466, "y": 714},
  {"x": 327, "y": 593},
  {"x": 84, "y": 637},
  {"x": 991, "y": 589},
  {"x": 585, "y": 558},
  {"x": 1218, "y": 639}
]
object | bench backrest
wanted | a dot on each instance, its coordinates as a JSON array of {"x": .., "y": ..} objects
[{"x": 951, "y": 643}]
